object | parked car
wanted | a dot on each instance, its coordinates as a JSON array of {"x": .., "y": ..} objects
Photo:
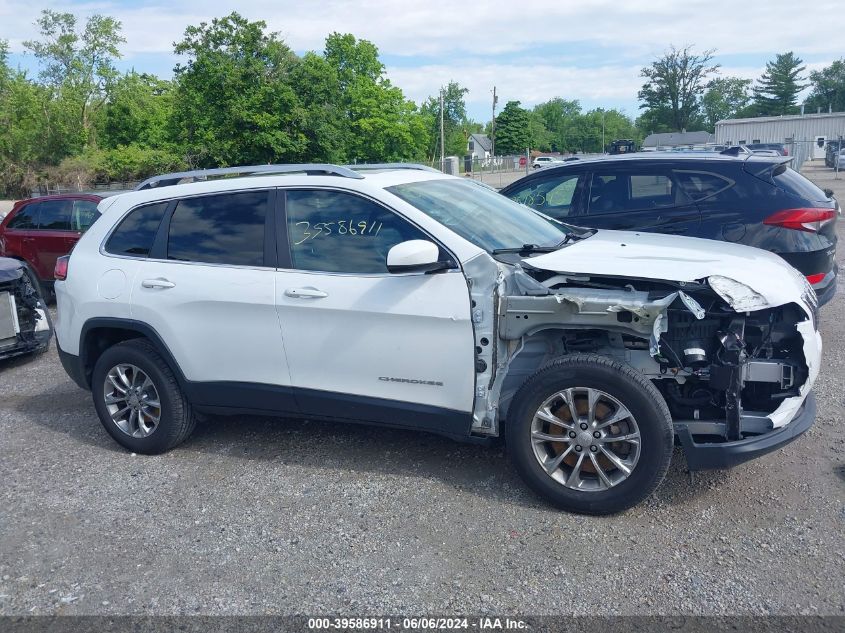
[
  {"x": 545, "y": 161},
  {"x": 25, "y": 326},
  {"x": 764, "y": 148},
  {"x": 405, "y": 297},
  {"x": 830, "y": 150},
  {"x": 839, "y": 160},
  {"x": 39, "y": 230},
  {"x": 753, "y": 200}
]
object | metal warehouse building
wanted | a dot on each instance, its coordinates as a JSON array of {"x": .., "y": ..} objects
[{"x": 804, "y": 134}]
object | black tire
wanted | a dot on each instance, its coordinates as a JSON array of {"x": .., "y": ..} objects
[
  {"x": 177, "y": 420},
  {"x": 629, "y": 387}
]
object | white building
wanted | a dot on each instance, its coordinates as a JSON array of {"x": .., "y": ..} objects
[
  {"x": 804, "y": 135},
  {"x": 479, "y": 146}
]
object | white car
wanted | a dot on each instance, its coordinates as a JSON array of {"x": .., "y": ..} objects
[
  {"x": 407, "y": 298},
  {"x": 545, "y": 161}
]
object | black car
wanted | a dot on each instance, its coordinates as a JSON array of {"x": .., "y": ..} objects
[
  {"x": 25, "y": 325},
  {"x": 753, "y": 200}
]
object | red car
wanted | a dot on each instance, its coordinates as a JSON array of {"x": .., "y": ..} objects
[{"x": 40, "y": 230}]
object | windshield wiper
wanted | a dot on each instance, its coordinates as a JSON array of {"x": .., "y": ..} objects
[{"x": 528, "y": 249}]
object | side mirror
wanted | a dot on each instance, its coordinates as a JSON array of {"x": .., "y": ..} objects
[{"x": 415, "y": 256}]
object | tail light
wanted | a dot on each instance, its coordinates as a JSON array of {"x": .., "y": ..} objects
[
  {"x": 814, "y": 279},
  {"x": 810, "y": 220},
  {"x": 785, "y": 152},
  {"x": 60, "y": 271}
]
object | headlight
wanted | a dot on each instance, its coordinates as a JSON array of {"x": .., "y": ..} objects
[{"x": 740, "y": 297}]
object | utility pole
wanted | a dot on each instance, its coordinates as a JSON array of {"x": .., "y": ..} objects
[
  {"x": 442, "y": 135},
  {"x": 493, "y": 126},
  {"x": 603, "y": 147}
]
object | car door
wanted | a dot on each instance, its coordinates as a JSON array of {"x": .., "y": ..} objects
[
  {"x": 208, "y": 291},
  {"x": 558, "y": 194},
  {"x": 639, "y": 197},
  {"x": 53, "y": 235},
  {"x": 19, "y": 233},
  {"x": 362, "y": 343}
]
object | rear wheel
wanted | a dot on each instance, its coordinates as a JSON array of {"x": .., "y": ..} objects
[
  {"x": 138, "y": 398},
  {"x": 590, "y": 434}
]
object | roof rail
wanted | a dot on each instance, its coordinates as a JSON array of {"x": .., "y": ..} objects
[
  {"x": 369, "y": 166},
  {"x": 315, "y": 169}
]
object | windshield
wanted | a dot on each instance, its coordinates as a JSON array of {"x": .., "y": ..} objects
[{"x": 480, "y": 215}]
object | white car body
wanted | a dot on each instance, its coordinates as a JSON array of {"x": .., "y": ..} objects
[
  {"x": 450, "y": 342},
  {"x": 545, "y": 161}
]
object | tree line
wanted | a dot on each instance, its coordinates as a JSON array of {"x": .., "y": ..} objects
[
  {"x": 240, "y": 95},
  {"x": 684, "y": 90}
]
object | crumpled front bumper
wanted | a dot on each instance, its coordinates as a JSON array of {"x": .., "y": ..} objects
[{"x": 727, "y": 454}]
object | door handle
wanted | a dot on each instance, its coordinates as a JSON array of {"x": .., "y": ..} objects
[
  {"x": 158, "y": 283},
  {"x": 305, "y": 293}
]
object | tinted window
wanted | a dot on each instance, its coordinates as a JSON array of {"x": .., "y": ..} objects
[
  {"x": 699, "y": 185},
  {"x": 54, "y": 215},
  {"x": 135, "y": 234},
  {"x": 333, "y": 231},
  {"x": 792, "y": 182},
  {"x": 614, "y": 192},
  {"x": 83, "y": 214},
  {"x": 223, "y": 229},
  {"x": 25, "y": 218},
  {"x": 552, "y": 196}
]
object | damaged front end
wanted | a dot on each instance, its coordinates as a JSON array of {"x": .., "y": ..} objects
[
  {"x": 735, "y": 370},
  {"x": 25, "y": 325}
]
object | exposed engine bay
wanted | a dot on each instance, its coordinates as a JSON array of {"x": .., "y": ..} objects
[
  {"x": 24, "y": 321},
  {"x": 725, "y": 373}
]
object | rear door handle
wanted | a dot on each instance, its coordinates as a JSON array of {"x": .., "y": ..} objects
[
  {"x": 305, "y": 293},
  {"x": 158, "y": 283}
]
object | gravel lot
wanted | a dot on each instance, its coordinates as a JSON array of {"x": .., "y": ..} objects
[{"x": 256, "y": 515}]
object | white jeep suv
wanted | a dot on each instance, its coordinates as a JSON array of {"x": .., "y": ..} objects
[{"x": 399, "y": 296}]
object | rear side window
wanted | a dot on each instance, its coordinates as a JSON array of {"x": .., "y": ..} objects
[
  {"x": 699, "y": 185},
  {"x": 794, "y": 183},
  {"x": 25, "y": 218},
  {"x": 54, "y": 215},
  {"x": 83, "y": 214},
  {"x": 618, "y": 192},
  {"x": 220, "y": 229},
  {"x": 134, "y": 236}
]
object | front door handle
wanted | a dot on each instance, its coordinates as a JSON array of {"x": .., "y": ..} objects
[
  {"x": 305, "y": 293},
  {"x": 158, "y": 283}
]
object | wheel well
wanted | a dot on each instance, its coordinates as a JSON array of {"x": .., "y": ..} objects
[{"x": 98, "y": 340}]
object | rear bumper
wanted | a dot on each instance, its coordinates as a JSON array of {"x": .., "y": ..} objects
[
  {"x": 74, "y": 368},
  {"x": 826, "y": 288},
  {"x": 727, "y": 454}
]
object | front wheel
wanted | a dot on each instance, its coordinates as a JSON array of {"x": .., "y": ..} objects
[{"x": 590, "y": 434}]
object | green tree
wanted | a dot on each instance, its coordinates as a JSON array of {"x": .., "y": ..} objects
[
  {"x": 776, "y": 92},
  {"x": 726, "y": 98},
  {"x": 513, "y": 134},
  {"x": 382, "y": 124},
  {"x": 234, "y": 99},
  {"x": 139, "y": 112},
  {"x": 828, "y": 88},
  {"x": 325, "y": 123},
  {"x": 671, "y": 96},
  {"x": 559, "y": 117},
  {"x": 78, "y": 65},
  {"x": 456, "y": 126}
]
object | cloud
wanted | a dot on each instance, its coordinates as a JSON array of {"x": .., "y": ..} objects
[
  {"x": 443, "y": 28},
  {"x": 590, "y": 50}
]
